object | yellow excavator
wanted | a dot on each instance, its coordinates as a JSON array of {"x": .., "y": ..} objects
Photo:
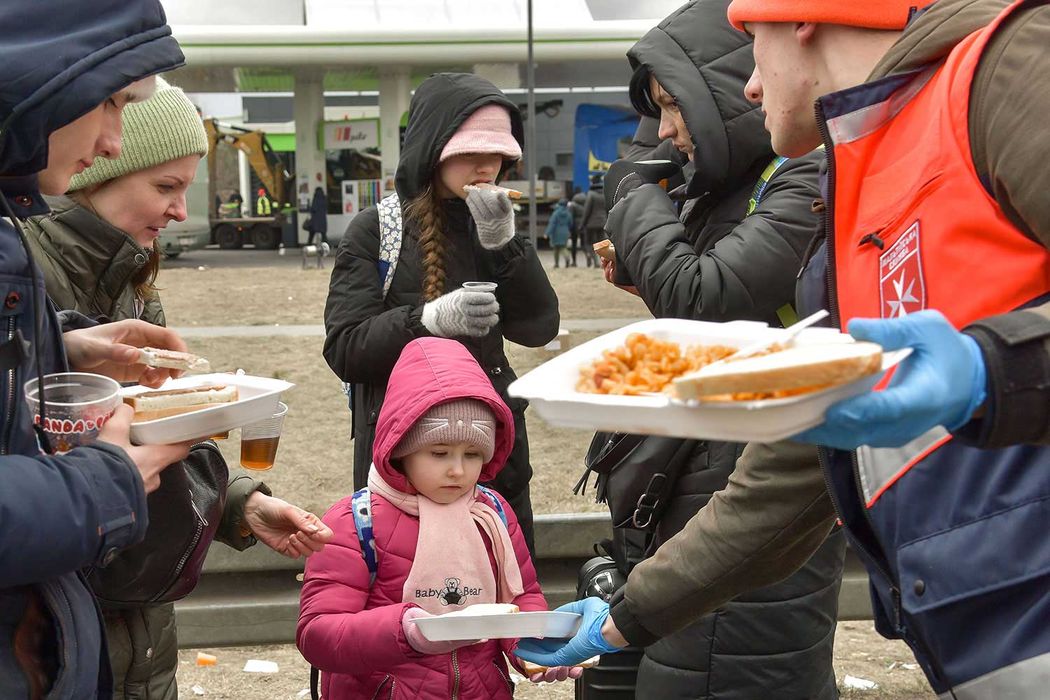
[{"x": 264, "y": 232}]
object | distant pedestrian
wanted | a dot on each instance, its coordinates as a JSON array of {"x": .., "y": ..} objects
[
  {"x": 592, "y": 223},
  {"x": 318, "y": 216},
  {"x": 558, "y": 229}
]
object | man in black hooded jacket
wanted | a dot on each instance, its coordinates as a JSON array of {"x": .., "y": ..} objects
[
  {"x": 67, "y": 75},
  {"x": 732, "y": 253}
]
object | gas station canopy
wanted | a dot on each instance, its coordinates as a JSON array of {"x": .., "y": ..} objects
[{"x": 391, "y": 32}]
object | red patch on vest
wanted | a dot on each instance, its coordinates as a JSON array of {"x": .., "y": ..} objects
[{"x": 901, "y": 286}]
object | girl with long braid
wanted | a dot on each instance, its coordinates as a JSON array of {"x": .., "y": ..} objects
[{"x": 462, "y": 131}]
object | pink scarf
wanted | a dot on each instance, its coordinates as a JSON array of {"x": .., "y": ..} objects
[{"x": 451, "y": 568}]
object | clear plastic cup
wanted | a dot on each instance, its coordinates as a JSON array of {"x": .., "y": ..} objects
[
  {"x": 481, "y": 286},
  {"x": 78, "y": 405},
  {"x": 259, "y": 441}
]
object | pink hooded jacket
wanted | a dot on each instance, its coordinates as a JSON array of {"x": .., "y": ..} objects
[{"x": 351, "y": 630}]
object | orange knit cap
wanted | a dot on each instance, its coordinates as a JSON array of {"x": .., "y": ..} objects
[{"x": 872, "y": 14}]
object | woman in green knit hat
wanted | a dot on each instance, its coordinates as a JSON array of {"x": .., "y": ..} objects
[{"x": 98, "y": 252}]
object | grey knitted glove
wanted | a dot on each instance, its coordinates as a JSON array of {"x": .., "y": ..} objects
[
  {"x": 493, "y": 215},
  {"x": 464, "y": 312}
]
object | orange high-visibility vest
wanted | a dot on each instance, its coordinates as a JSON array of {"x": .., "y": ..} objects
[
  {"x": 945, "y": 529},
  {"x": 906, "y": 179}
]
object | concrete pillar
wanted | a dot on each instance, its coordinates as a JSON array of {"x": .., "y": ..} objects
[
  {"x": 394, "y": 95},
  {"x": 244, "y": 182},
  {"x": 308, "y": 112}
]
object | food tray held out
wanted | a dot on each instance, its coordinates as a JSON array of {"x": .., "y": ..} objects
[
  {"x": 551, "y": 389},
  {"x": 447, "y": 628},
  {"x": 257, "y": 400}
]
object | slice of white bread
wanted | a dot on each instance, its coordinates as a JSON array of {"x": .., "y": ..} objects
[
  {"x": 513, "y": 194},
  {"x": 531, "y": 668},
  {"x": 151, "y": 405},
  {"x": 173, "y": 359},
  {"x": 801, "y": 367},
  {"x": 486, "y": 609},
  {"x": 605, "y": 249}
]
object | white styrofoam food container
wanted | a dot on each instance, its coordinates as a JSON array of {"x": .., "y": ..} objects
[
  {"x": 257, "y": 400},
  {"x": 447, "y": 628},
  {"x": 551, "y": 389}
]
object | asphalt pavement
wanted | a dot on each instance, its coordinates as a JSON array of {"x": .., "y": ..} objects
[
  {"x": 243, "y": 257},
  {"x": 213, "y": 257}
]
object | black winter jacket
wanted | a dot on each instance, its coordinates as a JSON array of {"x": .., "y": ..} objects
[
  {"x": 717, "y": 263},
  {"x": 58, "y": 514},
  {"x": 365, "y": 333}
]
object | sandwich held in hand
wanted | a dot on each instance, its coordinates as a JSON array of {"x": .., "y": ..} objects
[
  {"x": 151, "y": 405},
  {"x": 513, "y": 194},
  {"x": 172, "y": 359},
  {"x": 780, "y": 373},
  {"x": 604, "y": 249}
]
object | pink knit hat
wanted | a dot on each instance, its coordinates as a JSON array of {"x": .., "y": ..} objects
[
  {"x": 462, "y": 420},
  {"x": 487, "y": 130}
]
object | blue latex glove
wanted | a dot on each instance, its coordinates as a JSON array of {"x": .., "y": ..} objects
[
  {"x": 941, "y": 383},
  {"x": 588, "y": 641}
]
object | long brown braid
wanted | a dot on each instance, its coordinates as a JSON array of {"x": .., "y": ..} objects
[{"x": 426, "y": 211}]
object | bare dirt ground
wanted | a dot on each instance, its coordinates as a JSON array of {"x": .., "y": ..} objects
[
  {"x": 315, "y": 456},
  {"x": 314, "y": 461},
  {"x": 859, "y": 652},
  {"x": 287, "y": 295}
]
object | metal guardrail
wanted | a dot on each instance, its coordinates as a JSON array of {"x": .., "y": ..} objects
[{"x": 252, "y": 597}]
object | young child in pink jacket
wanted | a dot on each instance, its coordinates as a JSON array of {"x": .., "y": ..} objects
[{"x": 440, "y": 543}]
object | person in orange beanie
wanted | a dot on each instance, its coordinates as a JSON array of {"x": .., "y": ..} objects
[{"x": 935, "y": 237}]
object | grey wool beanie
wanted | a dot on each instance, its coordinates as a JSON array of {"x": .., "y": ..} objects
[{"x": 163, "y": 128}]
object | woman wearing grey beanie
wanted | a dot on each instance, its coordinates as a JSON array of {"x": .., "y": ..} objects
[{"x": 99, "y": 256}]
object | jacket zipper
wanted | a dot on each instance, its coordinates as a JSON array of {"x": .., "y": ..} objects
[
  {"x": 9, "y": 407},
  {"x": 829, "y": 236},
  {"x": 455, "y": 675},
  {"x": 201, "y": 524},
  {"x": 380, "y": 687},
  {"x": 829, "y": 219},
  {"x": 393, "y": 685},
  {"x": 504, "y": 676}
]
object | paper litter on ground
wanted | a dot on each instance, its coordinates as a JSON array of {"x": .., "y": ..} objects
[
  {"x": 259, "y": 666},
  {"x": 197, "y": 690},
  {"x": 854, "y": 683}
]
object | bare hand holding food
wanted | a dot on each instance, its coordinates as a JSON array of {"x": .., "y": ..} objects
[
  {"x": 113, "y": 350},
  {"x": 150, "y": 460}
]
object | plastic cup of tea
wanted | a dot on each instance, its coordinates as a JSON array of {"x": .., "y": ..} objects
[
  {"x": 78, "y": 404},
  {"x": 481, "y": 286},
  {"x": 259, "y": 440}
]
